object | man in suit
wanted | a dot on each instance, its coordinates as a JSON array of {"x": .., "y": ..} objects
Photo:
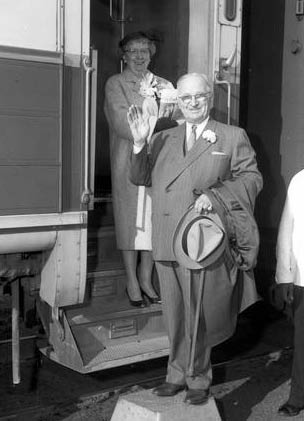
[{"x": 183, "y": 165}]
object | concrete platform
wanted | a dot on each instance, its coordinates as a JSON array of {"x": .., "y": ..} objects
[
  {"x": 144, "y": 406},
  {"x": 244, "y": 390}
]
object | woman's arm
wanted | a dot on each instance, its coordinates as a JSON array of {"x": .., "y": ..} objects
[{"x": 116, "y": 108}]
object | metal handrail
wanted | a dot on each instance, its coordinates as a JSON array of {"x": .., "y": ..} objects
[
  {"x": 86, "y": 194},
  {"x": 225, "y": 82}
]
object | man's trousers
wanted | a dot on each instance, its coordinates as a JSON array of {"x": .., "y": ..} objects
[{"x": 179, "y": 292}]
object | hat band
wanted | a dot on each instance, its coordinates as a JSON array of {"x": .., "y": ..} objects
[{"x": 184, "y": 243}]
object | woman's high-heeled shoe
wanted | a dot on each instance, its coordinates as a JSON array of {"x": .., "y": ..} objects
[
  {"x": 152, "y": 300},
  {"x": 136, "y": 303}
]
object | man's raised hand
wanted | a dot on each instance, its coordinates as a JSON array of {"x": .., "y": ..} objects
[{"x": 139, "y": 125}]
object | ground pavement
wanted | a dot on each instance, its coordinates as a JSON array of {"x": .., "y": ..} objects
[{"x": 251, "y": 380}]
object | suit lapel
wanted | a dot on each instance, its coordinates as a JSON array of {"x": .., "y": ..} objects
[
  {"x": 178, "y": 162},
  {"x": 176, "y": 158}
]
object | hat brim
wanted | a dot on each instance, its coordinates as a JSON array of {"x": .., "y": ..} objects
[{"x": 181, "y": 256}]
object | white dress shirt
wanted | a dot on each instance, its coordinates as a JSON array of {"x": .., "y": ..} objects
[
  {"x": 290, "y": 243},
  {"x": 199, "y": 128}
]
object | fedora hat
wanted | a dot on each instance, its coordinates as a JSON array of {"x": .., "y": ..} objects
[{"x": 199, "y": 240}]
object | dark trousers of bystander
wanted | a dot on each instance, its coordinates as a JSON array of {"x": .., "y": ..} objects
[{"x": 296, "y": 396}]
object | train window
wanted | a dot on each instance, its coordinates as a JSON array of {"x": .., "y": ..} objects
[{"x": 230, "y": 9}]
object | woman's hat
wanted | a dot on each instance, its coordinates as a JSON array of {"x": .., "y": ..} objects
[
  {"x": 199, "y": 240},
  {"x": 134, "y": 36}
]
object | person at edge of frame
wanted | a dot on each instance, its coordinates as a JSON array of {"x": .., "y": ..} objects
[{"x": 290, "y": 285}]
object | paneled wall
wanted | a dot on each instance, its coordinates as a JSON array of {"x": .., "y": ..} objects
[{"x": 30, "y": 109}]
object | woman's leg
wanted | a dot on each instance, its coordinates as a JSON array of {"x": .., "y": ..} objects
[
  {"x": 145, "y": 273},
  {"x": 130, "y": 262}
]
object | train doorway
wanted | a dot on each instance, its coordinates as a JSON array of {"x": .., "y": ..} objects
[{"x": 106, "y": 330}]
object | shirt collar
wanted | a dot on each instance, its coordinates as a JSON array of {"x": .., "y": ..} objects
[{"x": 199, "y": 128}]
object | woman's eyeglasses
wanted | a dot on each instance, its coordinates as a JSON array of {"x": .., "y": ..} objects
[
  {"x": 186, "y": 99},
  {"x": 142, "y": 52}
]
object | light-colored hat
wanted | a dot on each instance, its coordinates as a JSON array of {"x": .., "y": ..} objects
[{"x": 199, "y": 240}]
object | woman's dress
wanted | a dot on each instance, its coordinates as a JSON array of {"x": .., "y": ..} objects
[{"x": 131, "y": 204}]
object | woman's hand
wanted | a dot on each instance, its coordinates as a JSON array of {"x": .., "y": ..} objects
[{"x": 139, "y": 125}]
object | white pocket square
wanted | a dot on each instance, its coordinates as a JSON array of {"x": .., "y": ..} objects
[{"x": 218, "y": 153}]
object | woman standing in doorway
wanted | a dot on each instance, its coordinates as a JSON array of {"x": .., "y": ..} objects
[{"x": 132, "y": 204}]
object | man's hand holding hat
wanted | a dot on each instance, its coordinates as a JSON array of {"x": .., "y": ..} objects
[{"x": 203, "y": 203}]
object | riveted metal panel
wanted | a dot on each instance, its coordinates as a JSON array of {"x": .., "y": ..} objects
[{"x": 30, "y": 148}]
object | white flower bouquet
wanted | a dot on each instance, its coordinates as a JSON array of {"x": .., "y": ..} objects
[{"x": 151, "y": 87}]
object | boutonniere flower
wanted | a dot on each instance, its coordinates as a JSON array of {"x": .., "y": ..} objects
[{"x": 209, "y": 136}]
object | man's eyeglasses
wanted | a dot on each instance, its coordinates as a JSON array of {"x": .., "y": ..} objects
[
  {"x": 186, "y": 99},
  {"x": 143, "y": 52}
]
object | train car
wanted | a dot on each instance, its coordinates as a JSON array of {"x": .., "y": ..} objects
[
  {"x": 57, "y": 236},
  {"x": 44, "y": 156}
]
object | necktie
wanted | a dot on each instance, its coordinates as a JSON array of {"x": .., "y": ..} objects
[{"x": 192, "y": 138}]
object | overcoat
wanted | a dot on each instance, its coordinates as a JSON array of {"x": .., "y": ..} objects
[
  {"x": 174, "y": 178},
  {"x": 121, "y": 91}
]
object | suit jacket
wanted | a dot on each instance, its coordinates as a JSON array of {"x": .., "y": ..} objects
[{"x": 175, "y": 178}]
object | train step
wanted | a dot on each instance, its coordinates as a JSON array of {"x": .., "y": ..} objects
[
  {"x": 113, "y": 356},
  {"x": 111, "y": 284},
  {"x": 98, "y": 336},
  {"x": 105, "y": 331},
  {"x": 102, "y": 250}
]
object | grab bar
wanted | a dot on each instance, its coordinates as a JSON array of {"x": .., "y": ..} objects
[
  {"x": 86, "y": 194},
  {"x": 225, "y": 82}
]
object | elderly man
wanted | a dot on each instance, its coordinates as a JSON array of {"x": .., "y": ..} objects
[{"x": 187, "y": 165}]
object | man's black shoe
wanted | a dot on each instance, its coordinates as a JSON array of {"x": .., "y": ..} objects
[
  {"x": 288, "y": 410},
  {"x": 168, "y": 389},
  {"x": 197, "y": 396}
]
